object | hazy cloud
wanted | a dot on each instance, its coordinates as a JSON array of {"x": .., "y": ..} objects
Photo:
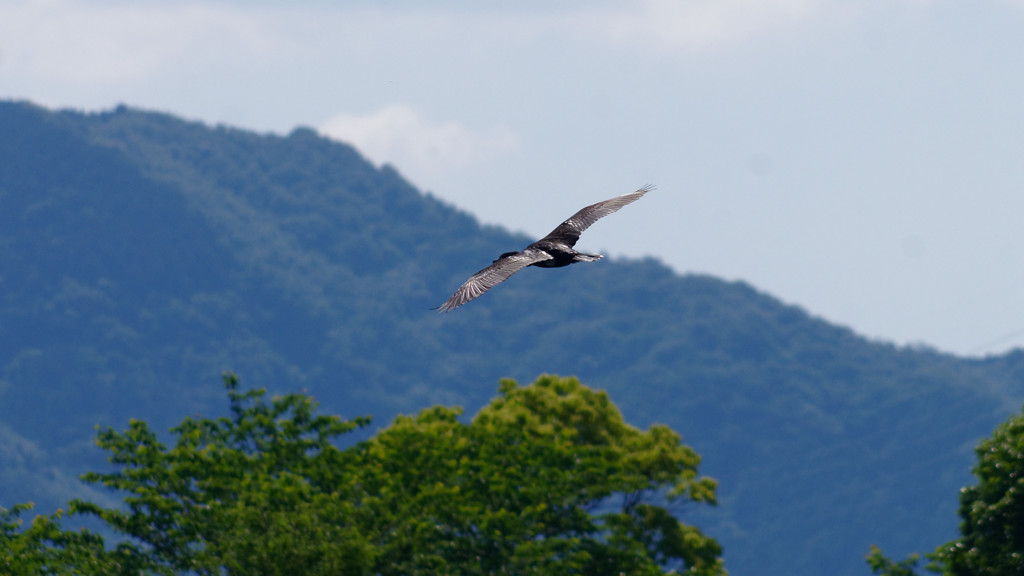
[
  {"x": 700, "y": 22},
  {"x": 114, "y": 41},
  {"x": 421, "y": 148}
]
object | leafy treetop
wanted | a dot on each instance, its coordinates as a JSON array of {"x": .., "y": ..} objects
[{"x": 546, "y": 478}]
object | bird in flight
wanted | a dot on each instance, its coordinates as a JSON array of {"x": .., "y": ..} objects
[{"x": 552, "y": 251}]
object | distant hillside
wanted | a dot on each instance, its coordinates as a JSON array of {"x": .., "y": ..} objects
[{"x": 142, "y": 255}]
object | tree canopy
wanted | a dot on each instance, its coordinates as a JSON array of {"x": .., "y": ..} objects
[
  {"x": 991, "y": 541},
  {"x": 546, "y": 478}
]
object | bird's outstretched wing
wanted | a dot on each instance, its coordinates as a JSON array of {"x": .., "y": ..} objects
[
  {"x": 491, "y": 276},
  {"x": 570, "y": 230}
]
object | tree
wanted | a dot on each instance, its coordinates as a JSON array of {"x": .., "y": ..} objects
[
  {"x": 44, "y": 548},
  {"x": 530, "y": 485},
  {"x": 260, "y": 492},
  {"x": 992, "y": 511},
  {"x": 547, "y": 478},
  {"x": 883, "y": 566},
  {"x": 991, "y": 541}
]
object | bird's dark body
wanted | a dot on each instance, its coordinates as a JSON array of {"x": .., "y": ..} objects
[
  {"x": 552, "y": 251},
  {"x": 561, "y": 255},
  {"x": 556, "y": 262}
]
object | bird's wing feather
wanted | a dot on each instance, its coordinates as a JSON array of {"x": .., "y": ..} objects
[
  {"x": 491, "y": 276},
  {"x": 570, "y": 230}
]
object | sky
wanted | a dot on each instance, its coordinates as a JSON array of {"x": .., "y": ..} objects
[{"x": 863, "y": 160}]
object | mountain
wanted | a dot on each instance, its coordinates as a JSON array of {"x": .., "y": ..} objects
[{"x": 142, "y": 255}]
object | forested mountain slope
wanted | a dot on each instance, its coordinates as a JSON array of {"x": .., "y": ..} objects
[{"x": 142, "y": 255}]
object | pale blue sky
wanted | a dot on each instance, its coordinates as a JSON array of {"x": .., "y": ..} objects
[{"x": 864, "y": 160}]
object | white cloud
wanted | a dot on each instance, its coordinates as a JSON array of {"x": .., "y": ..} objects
[
  {"x": 698, "y": 23},
  {"x": 708, "y": 23},
  {"x": 121, "y": 41},
  {"x": 114, "y": 41},
  {"x": 423, "y": 149}
]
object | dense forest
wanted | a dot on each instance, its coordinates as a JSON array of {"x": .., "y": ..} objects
[
  {"x": 546, "y": 479},
  {"x": 141, "y": 256}
]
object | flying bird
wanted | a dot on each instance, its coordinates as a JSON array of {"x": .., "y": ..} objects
[{"x": 552, "y": 251}]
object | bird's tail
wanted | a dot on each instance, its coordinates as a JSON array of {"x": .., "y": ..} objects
[{"x": 581, "y": 257}]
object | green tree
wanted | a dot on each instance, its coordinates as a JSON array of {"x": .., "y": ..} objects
[
  {"x": 547, "y": 479},
  {"x": 44, "y": 548},
  {"x": 991, "y": 541},
  {"x": 883, "y": 566},
  {"x": 261, "y": 492}
]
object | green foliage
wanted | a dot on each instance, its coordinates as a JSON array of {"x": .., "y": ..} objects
[
  {"x": 44, "y": 548},
  {"x": 256, "y": 493},
  {"x": 546, "y": 479},
  {"x": 518, "y": 489},
  {"x": 991, "y": 541},
  {"x": 883, "y": 566}
]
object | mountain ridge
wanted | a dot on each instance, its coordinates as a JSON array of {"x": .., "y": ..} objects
[{"x": 142, "y": 255}]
